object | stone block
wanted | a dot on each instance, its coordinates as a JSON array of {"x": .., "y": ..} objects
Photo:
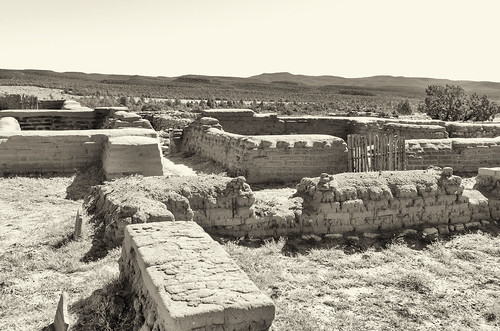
[
  {"x": 128, "y": 155},
  {"x": 187, "y": 281}
]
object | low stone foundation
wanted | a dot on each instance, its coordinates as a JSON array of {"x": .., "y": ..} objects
[
  {"x": 184, "y": 280},
  {"x": 264, "y": 159}
]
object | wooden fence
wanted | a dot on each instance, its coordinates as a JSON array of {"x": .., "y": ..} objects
[{"x": 375, "y": 152}]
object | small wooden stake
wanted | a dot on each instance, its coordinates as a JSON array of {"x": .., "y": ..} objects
[
  {"x": 61, "y": 320},
  {"x": 78, "y": 224}
]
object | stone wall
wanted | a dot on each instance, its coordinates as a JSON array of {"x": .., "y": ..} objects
[
  {"x": 463, "y": 155},
  {"x": 329, "y": 204},
  {"x": 56, "y": 151},
  {"x": 385, "y": 201},
  {"x": 183, "y": 280},
  {"x": 266, "y": 158}
]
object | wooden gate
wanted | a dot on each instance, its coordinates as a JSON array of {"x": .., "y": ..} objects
[{"x": 375, "y": 152}]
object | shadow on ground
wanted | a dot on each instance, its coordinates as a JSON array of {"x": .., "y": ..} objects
[
  {"x": 109, "y": 308},
  {"x": 83, "y": 181},
  {"x": 356, "y": 243}
]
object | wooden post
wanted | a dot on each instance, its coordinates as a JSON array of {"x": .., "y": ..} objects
[
  {"x": 349, "y": 151},
  {"x": 61, "y": 320},
  {"x": 78, "y": 224}
]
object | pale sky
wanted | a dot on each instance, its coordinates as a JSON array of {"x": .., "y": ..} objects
[{"x": 439, "y": 39}]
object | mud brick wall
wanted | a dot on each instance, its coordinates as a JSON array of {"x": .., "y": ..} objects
[
  {"x": 183, "y": 280},
  {"x": 463, "y": 155},
  {"x": 246, "y": 122},
  {"x": 384, "y": 201},
  {"x": 218, "y": 204},
  {"x": 266, "y": 158},
  {"x": 55, "y": 151},
  {"x": 488, "y": 183},
  {"x": 254, "y": 124},
  {"x": 54, "y": 119},
  {"x": 473, "y": 130}
]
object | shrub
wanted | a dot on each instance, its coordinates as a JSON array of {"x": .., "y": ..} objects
[
  {"x": 404, "y": 108},
  {"x": 450, "y": 103}
]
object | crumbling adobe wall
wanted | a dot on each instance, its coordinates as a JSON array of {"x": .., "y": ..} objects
[
  {"x": 488, "y": 183},
  {"x": 370, "y": 202},
  {"x": 53, "y": 119},
  {"x": 271, "y": 124},
  {"x": 214, "y": 202},
  {"x": 56, "y": 151},
  {"x": 265, "y": 158},
  {"x": 75, "y": 117},
  {"x": 473, "y": 130},
  {"x": 463, "y": 155}
]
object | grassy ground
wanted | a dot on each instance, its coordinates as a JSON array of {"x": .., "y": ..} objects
[
  {"x": 449, "y": 285},
  {"x": 453, "y": 285},
  {"x": 39, "y": 258}
]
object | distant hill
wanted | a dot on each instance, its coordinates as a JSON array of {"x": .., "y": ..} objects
[
  {"x": 268, "y": 86},
  {"x": 414, "y": 84}
]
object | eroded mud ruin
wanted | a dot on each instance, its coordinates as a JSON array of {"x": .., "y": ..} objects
[{"x": 183, "y": 279}]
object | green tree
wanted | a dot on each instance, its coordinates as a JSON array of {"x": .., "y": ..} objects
[
  {"x": 450, "y": 103},
  {"x": 404, "y": 108}
]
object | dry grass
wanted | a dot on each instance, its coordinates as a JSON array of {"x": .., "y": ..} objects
[
  {"x": 452, "y": 285},
  {"x": 38, "y": 257}
]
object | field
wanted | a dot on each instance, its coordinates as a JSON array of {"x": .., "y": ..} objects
[{"x": 447, "y": 285}]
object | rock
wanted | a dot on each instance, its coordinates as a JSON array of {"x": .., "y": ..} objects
[
  {"x": 472, "y": 225},
  {"x": 316, "y": 238},
  {"x": 352, "y": 238},
  {"x": 447, "y": 172},
  {"x": 333, "y": 236},
  {"x": 443, "y": 229},
  {"x": 459, "y": 227},
  {"x": 126, "y": 116},
  {"x": 430, "y": 233},
  {"x": 9, "y": 124},
  {"x": 371, "y": 235},
  {"x": 485, "y": 223},
  {"x": 451, "y": 227},
  {"x": 408, "y": 232}
]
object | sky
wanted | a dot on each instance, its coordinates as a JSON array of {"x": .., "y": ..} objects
[{"x": 457, "y": 40}]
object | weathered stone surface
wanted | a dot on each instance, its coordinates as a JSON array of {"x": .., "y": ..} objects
[
  {"x": 126, "y": 116},
  {"x": 184, "y": 280},
  {"x": 132, "y": 155},
  {"x": 9, "y": 124}
]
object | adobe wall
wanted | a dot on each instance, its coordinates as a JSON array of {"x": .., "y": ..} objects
[
  {"x": 79, "y": 118},
  {"x": 329, "y": 204},
  {"x": 56, "y": 151},
  {"x": 463, "y": 155},
  {"x": 271, "y": 124},
  {"x": 386, "y": 201},
  {"x": 56, "y": 119},
  {"x": 276, "y": 158},
  {"x": 473, "y": 130}
]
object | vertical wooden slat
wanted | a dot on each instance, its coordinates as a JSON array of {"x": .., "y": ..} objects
[
  {"x": 349, "y": 153},
  {"x": 365, "y": 150},
  {"x": 390, "y": 151},
  {"x": 369, "y": 152}
]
